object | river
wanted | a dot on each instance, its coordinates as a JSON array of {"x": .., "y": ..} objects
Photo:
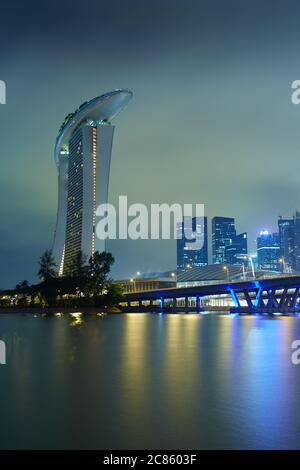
[{"x": 149, "y": 381}]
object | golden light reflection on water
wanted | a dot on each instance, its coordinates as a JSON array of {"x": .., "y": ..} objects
[
  {"x": 135, "y": 356},
  {"x": 181, "y": 364},
  {"x": 76, "y": 319},
  {"x": 225, "y": 333},
  {"x": 173, "y": 341}
]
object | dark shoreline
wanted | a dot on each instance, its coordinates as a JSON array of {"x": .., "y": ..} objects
[
  {"x": 94, "y": 310},
  {"x": 49, "y": 310}
]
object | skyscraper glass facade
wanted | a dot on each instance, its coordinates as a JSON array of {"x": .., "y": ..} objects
[
  {"x": 82, "y": 155},
  {"x": 268, "y": 251},
  {"x": 186, "y": 256},
  {"x": 75, "y": 199},
  {"x": 237, "y": 250},
  {"x": 223, "y": 235},
  {"x": 289, "y": 240}
]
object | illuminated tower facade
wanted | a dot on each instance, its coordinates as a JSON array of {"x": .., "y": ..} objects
[
  {"x": 268, "y": 251},
  {"x": 187, "y": 257},
  {"x": 82, "y": 154},
  {"x": 223, "y": 233}
]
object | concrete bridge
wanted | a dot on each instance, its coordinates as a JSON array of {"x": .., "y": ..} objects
[{"x": 280, "y": 294}]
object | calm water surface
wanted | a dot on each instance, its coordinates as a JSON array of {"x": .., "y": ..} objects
[{"x": 149, "y": 381}]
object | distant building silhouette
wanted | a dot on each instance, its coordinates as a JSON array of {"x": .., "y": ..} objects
[
  {"x": 289, "y": 241},
  {"x": 186, "y": 257},
  {"x": 237, "y": 250},
  {"x": 268, "y": 251},
  {"x": 223, "y": 234}
]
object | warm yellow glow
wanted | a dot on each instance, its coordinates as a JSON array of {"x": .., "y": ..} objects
[
  {"x": 76, "y": 314},
  {"x": 76, "y": 318},
  {"x": 61, "y": 268},
  {"x": 94, "y": 185}
]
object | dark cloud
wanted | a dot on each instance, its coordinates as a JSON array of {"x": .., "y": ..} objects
[{"x": 211, "y": 120}]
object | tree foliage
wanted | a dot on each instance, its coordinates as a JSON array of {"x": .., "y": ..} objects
[
  {"x": 87, "y": 282},
  {"x": 47, "y": 265}
]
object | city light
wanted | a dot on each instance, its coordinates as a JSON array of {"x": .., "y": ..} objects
[{"x": 105, "y": 363}]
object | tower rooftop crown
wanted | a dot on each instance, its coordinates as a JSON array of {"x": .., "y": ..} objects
[{"x": 102, "y": 108}]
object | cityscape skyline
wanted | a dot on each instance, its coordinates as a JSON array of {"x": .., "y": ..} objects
[
  {"x": 211, "y": 121},
  {"x": 149, "y": 231},
  {"x": 277, "y": 251}
]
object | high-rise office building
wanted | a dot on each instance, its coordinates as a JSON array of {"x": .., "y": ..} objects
[
  {"x": 82, "y": 155},
  {"x": 187, "y": 257},
  {"x": 223, "y": 234},
  {"x": 297, "y": 242},
  {"x": 268, "y": 251},
  {"x": 237, "y": 250},
  {"x": 289, "y": 240},
  {"x": 286, "y": 230}
]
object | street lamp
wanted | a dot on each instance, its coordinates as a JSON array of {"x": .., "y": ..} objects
[
  {"x": 133, "y": 282},
  {"x": 244, "y": 273},
  {"x": 282, "y": 261},
  {"x": 252, "y": 265},
  {"x": 227, "y": 271},
  {"x": 250, "y": 258}
]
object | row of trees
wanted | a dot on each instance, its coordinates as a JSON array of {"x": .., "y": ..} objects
[{"x": 86, "y": 284}]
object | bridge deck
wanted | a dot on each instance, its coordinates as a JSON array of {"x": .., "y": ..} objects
[{"x": 272, "y": 294}]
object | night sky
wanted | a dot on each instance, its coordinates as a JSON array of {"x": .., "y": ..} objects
[{"x": 211, "y": 120}]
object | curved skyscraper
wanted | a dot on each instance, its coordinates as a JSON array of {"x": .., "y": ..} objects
[{"x": 82, "y": 155}]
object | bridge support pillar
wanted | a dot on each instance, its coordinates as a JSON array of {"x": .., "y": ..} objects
[
  {"x": 258, "y": 298},
  {"x": 295, "y": 298},
  {"x": 174, "y": 302},
  {"x": 235, "y": 298},
  {"x": 272, "y": 301},
  {"x": 283, "y": 299},
  {"x": 198, "y": 303},
  {"x": 248, "y": 299}
]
